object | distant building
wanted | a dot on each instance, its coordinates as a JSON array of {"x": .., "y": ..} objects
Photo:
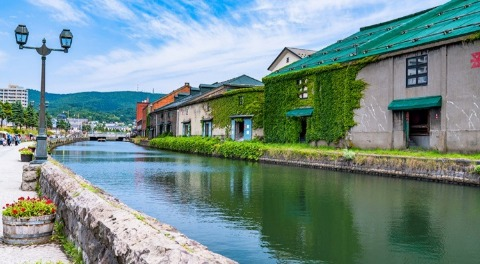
[
  {"x": 13, "y": 94},
  {"x": 288, "y": 56},
  {"x": 77, "y": 123}
]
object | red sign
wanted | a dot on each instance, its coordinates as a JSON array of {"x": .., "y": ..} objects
[{"x": 475, "y": 60}]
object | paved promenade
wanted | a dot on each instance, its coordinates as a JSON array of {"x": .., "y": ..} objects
[{"x": 10, "y": 180}]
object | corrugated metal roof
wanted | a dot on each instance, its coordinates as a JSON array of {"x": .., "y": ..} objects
[
  {"x": 242, "y": 80},
  {"x": 452, "y": 19}
]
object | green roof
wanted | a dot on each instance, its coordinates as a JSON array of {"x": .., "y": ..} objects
[
  {"x": 307, "y": 111},
  {"x": 416, "y": 103},
  {"x": 450, "y": 20}
]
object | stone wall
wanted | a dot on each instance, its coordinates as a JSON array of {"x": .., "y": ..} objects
[
  {"x": 438, "y": 170},
  {"x": 108, "y": 231}
]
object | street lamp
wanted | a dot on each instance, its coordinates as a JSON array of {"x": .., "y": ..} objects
[{"x": 21, "y": 36}]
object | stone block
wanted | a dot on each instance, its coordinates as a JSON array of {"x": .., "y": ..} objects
[{"x": 28, "y": 186}]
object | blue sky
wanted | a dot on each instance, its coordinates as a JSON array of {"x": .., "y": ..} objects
[{"x": 155, "y": 45}]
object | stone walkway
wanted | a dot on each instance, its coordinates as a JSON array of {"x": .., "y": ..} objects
[{"x": 10, "y": 180}]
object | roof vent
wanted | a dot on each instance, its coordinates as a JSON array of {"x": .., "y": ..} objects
[
  {"x": 320, "y": 62},
  {"x": 325, "y": 52},
  {"x": 404, "y": 32},
  {"x": 292, "y": 69},
  {"x": 447, "y": 31},
  {"x": 466, "y": 6},
  {"x": 338, "y": 41},
  {"x": 389, "y": 46},
  {"x": 365, "y": 52},
  {"x": 455, "y": 18},
  {"x": 356, "y": 37},
  {"x": 415, "y": 39},
  {"x": 304, "y": 66},
  {"x": 429, "y": 26},
  {"x": 440, "y": 13},
  {"x": 339, "y": 49},
  {"x": 353, "y": 54},
  {"x": 335, "y": 59},
  {"x": 355, "y": 45},
  {"x": 388, "y": 28}
]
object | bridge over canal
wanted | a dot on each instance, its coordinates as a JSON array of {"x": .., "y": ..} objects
[{"x": 110, "y": 136}]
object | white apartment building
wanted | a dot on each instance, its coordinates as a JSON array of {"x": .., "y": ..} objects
[{"x": 14, "y": 93}]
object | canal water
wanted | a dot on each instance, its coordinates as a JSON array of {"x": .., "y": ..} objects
[{"x": 263, "y": 213}]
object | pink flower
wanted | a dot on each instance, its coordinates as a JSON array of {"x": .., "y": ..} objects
[{"x": 21, "y": 198}]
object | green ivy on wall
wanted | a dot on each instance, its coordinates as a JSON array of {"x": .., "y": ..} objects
[
  {"x": 246, "y": 101},
  {"x": 333, "y": 92}
]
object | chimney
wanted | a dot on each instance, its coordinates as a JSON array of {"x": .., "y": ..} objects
[{"x": 187, "y": 84}]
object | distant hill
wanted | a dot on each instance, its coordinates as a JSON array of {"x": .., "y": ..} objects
[{"x": 101, "y": 106}]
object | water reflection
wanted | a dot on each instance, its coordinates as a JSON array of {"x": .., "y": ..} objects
[
  {"x": 260, "y": 213},
  {"x": 412, "y": 228}
]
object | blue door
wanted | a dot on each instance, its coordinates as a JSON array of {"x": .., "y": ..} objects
[
  {"x": 232, "y": 132},
  {"x": 247, "y": 135}
]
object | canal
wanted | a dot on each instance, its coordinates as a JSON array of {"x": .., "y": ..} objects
[{"x": 263, "y": 213}]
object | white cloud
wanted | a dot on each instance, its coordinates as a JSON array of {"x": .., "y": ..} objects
[
  {"x": 213, "y": 49},
  {"x": 61, "y": 10},
  {"x": 110, "y": 8}
]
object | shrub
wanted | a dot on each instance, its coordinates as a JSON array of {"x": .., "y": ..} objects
[
  {"x": 348, "y": 154},
  {"x": 25, "y": 151},
  {"x": 476, "y": 169},
  {"x": 242, "y": 150}
]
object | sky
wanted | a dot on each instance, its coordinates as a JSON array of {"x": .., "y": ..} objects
[{"x": 158, "y": 45}]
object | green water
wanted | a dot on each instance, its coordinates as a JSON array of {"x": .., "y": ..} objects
[{"x": 262, "y": 213}]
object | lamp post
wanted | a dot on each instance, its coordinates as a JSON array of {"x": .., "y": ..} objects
[{"x": 21, "y": 36}]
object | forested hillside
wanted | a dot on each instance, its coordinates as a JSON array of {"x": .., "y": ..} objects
[{"x": 106, "y": 106}]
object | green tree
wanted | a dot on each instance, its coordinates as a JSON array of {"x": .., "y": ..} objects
[
  {"x": 31, "y": 117},
  {"x": 17, "y": 114},
  {"x": 2, "y": 114},
  {"x": 86, "y": 128},
  {"x": 63, "y": 124},
  {"x": 48, "y": 120},
  {"x": 6, "y": 111}
]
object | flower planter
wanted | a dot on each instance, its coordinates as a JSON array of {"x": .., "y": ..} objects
[
  {"x": 27, "y": 230},
  {"x": 26, "y": 157}
]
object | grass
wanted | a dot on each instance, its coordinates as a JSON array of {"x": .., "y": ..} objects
[
  {"x": 413, "y": 152},
  {"x": 68, "y": 246},
  {"x": 139, "y": 216}
]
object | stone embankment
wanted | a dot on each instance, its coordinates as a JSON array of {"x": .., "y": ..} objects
[
  {"x": 454, "y": 171},
  {"x": 55, "y": 142},
  {"x": 108, "y": 231}
]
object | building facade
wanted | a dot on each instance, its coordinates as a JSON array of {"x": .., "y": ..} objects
[
  {"x": 14, "y": 93},
  {"x": 227, "y": 111},
  {"x": 409, "y": 82},
  {"x": 288, "y": 56}
]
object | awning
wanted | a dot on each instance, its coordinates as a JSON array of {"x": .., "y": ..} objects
[
  {"x": 307, "y": 111},
  {"x": 416, "y": 103}
]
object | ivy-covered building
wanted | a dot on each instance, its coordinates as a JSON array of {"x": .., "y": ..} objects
[
  {"x": 233, "y": 108},
  {"x": 412, "y": 81}
]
